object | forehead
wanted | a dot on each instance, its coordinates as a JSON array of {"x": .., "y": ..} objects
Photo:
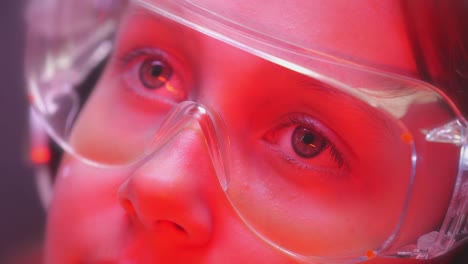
[{"x": 364, "y": 31}]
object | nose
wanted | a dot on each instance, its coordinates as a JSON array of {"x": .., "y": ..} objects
[{"x": 168, "y": 195}]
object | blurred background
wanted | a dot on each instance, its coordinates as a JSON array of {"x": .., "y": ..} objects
[{"x": 22, "y": 218}]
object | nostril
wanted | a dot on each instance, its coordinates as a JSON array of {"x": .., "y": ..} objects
[
  {"x": 169, "y": 225},
  {"x": 160, "y": 225}
]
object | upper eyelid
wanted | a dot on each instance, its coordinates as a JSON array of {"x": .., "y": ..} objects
[
  {"x": 300, "y": 118},
  {"x": 126, "y": 57}
]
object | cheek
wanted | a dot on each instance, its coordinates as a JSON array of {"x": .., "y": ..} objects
[
  {"x": 85, "y": 216},
  {"x": 284, "y": 202},
  {"x": 116, "y": 125},
  {"x": 86, "y": 222},
  {"x": 235, "y": 244}
]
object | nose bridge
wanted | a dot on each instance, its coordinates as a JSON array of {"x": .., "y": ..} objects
[
  {"x": 201, "y": 130},
  {"x": 181, "y": 159}
]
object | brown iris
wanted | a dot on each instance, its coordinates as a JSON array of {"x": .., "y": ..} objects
[
  {"x": 307, "y": 143},
  {"x": 155, "y": 73}
]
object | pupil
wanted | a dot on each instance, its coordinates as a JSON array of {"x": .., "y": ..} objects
[
  {"x": 156, "y": 69},
  {"x": 308, "y": 138}
]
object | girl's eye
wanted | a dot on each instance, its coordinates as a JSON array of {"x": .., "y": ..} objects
[
  {"x": 308, "y": 143},
  {"x": 300, "y": 142},
  {"x": 155, "y": 73}
]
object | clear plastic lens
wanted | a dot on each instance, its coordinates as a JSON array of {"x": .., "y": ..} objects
[{"x": 347, "y": 143}]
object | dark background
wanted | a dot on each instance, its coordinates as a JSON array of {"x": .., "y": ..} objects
[{"x": 21, "y": 215}]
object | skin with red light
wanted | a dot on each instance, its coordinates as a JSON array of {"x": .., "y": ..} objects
[{"x": 171, "y": 209}]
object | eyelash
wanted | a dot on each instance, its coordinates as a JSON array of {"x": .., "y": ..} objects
[
  {"x": 300, "y": 119},
  {"x": 128, "y": 57}
]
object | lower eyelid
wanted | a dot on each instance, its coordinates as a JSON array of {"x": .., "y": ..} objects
[{"x": 301, "y": 167}]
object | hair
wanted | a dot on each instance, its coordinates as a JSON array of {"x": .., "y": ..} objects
[{"x": 437, "y": 30}]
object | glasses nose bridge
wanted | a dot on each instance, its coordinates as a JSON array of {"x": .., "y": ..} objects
[{"x": 209, "y": 127}]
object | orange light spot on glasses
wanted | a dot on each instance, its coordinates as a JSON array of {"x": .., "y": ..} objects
[
  {"x": 170, "y": 88},
  {"x": 407, "y": 138},
  {"x": 40, "y": 155},
  {"x": 370, "y": 254},
  {"x": 168, "y": 85}
]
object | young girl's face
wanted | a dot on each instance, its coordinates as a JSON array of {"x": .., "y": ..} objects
[{"x": 311, "y": 169}]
